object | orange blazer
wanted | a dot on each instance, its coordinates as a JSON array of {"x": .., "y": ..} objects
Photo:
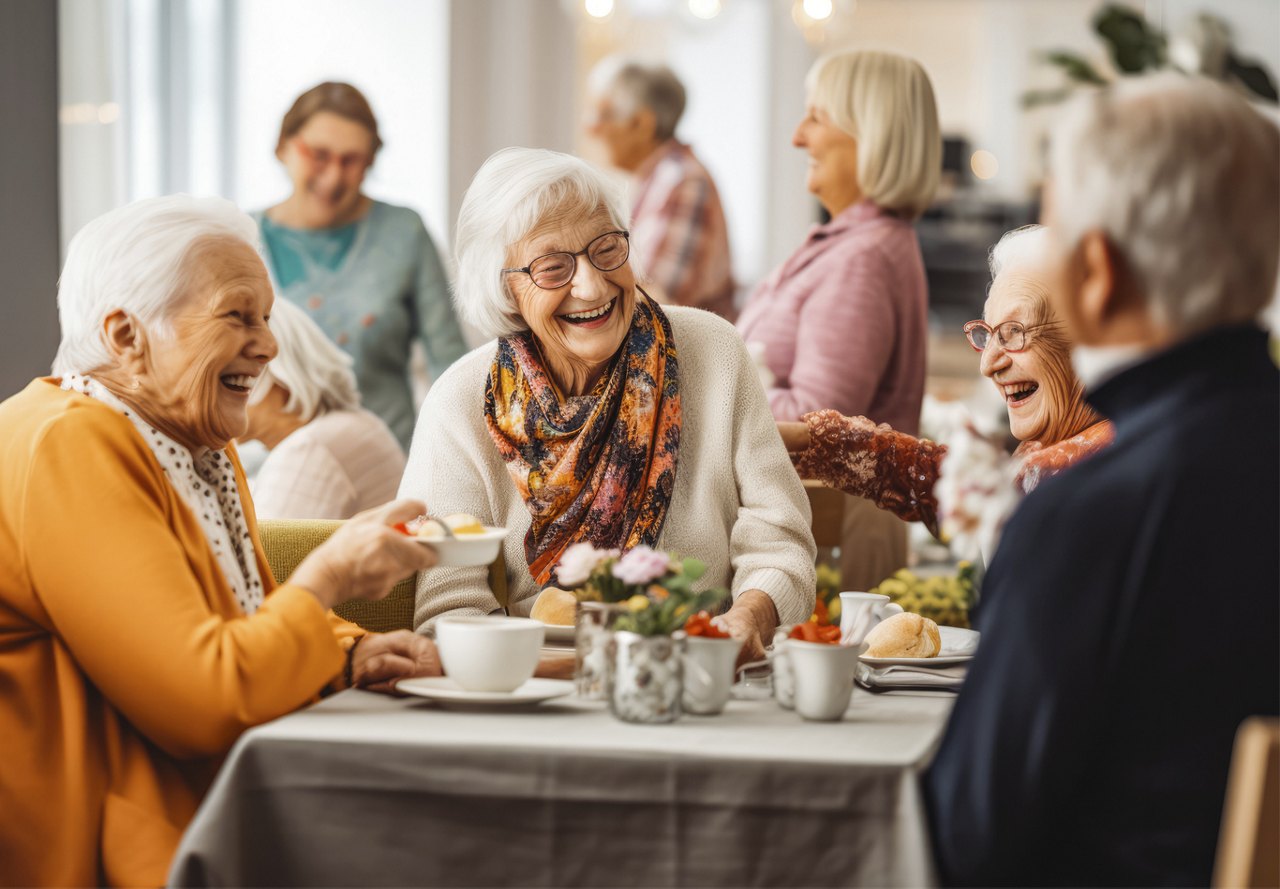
[{"x": 127, "y": 669}]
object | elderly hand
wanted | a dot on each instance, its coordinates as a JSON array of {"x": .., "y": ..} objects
[
  {"x": 794, "y": 435},
  {"x": 366, "y": 557},
  {"x": 380, "y": 659},
  {"x": 753, "y": 618}
]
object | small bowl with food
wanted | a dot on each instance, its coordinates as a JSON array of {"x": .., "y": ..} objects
[{"x": 460, "y": 539}]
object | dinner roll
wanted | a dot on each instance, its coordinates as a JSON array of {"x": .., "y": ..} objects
[
  {"x": 904, "y": 635},
  {"x": 555, "y": 606}
]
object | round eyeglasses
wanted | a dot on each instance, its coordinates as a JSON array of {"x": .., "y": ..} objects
[
  {"x": 551, "y": 270},
  {"x": 1009, "y": 335}
]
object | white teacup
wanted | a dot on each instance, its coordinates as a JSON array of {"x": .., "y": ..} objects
[
  {"x": 708, "y": 674},
  {"x": 860, "y": 612},
  {"x": 823, "y": 678},
  {"x": 496, "y": 654}
]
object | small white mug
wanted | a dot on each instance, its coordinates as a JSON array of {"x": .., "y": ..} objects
[
  {"x": 823, "y": 678},
  {"x": 708, "y": 674},
  {"x": 859, "y": 614},
  {"x": 493, "y": 654}
]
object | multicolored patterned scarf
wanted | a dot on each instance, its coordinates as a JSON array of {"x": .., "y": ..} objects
[{"x": 598, "y": 468}]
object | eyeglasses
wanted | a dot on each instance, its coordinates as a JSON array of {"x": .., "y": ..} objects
[
  {"x": 321, "y": 158},
  {"x": 551, "y": 270},
  {"x": 1010, "y": 335}
]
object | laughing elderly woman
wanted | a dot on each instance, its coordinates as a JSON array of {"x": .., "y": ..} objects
[
  {"x": 141, "y": 630},
  {"x": 598, "y": 416}
]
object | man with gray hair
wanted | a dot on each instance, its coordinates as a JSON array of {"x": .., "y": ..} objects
[
  {"x": 1129, "y": 620},
  {"x": 678, "y": 228}
]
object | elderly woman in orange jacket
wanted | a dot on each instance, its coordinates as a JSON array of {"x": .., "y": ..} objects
[{"x": 141, "y": 630}]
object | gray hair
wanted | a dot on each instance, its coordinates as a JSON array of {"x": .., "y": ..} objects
[
  {"x": 315, "y": 372},
  {"x": 633, "y": 86},
  {"x": 1020, "y": 245},
  {"x": 136, "y": 258},
  {"x": 514, "y": 191},
  {"x": 1181, "y": 176}
]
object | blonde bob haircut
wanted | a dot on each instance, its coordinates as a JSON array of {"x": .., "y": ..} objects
[{"x": 885, "y": 101}]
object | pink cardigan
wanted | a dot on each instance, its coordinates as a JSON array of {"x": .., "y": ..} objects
[{"x": 844, "y": 321}]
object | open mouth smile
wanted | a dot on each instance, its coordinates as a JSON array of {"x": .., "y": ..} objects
[
  {"x": 241, "y": 384},
  {"x": 1017, "y": 394},
  {"x": 591, "y": 318}
]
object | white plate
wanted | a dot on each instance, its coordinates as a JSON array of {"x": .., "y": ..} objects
[
  {"x": 958, "y": 647},
  {"x": 559, "y": 633},
  {"x": 467, "y": 550},
  {"x": 447, "y": 693}
]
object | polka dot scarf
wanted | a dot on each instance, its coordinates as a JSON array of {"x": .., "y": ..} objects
[{"x": 207, "y": 484}]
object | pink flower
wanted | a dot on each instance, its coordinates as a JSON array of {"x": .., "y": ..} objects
[
  {"x": 642, "y": 566},
  {"x": 578, "y": 562}
]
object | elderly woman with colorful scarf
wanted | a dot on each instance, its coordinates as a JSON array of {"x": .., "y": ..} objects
[
  {"x": 1026, "y": 356},
  {"x": 598, "y": 416},
  {"x": 141, "y": 630}
]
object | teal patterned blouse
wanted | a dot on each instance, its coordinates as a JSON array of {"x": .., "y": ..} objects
[{"x": 372, "y": 286}]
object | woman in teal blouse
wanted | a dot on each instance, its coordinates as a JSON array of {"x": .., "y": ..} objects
[{"x": 367, "y": 272}]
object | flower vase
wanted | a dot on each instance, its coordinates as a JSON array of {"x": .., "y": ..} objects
[
  {"x": 646, "y": 677},
  {"x": 592, "y": 623}
]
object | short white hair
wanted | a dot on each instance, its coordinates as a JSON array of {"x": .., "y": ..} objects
[
  {"x": 315, "y": 372},
  {"x": 513, "y": 193},
  {"x": 1181, "y": 176},
  {"x": 632, "y": 85},
  {"x": 1028, "y": 244},
  {"x": 136, "y": 258}
]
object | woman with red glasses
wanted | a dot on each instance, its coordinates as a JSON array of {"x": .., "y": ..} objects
[
  {"x": 1028, "y": 360},
  {"x": 366, "y": 271}
]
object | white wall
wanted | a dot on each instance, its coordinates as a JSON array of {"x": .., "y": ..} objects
[{"x": 395, "y": 51}]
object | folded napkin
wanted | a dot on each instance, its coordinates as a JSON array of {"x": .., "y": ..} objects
[{"x": 896, "y": 676}]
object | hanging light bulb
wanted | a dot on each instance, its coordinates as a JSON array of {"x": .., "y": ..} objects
[
  {"x": 818, "y": 10},
  {"x": 705, "y": 9},
  {"x": 598, "y": 9}
]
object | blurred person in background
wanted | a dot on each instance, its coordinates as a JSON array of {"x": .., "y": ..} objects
[
  {"x": 329, "y": 457},
  {"x": 678, "y": 227},
  {"x": 1091, "y": 742},
  {"x": 366, "y": 271},
  {"x": 842, "y": 325}
]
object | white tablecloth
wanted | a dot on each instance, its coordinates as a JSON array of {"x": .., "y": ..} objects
[{"x": 368, "y": 790}]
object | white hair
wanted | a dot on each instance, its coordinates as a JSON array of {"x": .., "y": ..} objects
[
  {"x": 135, "y": 258},
  {"x": 315, "y": 372},
  {"x": 1181, "y": 176},
  {"x": 1018, "y": 246},
  {"x": 631, "y": 86},
  {"x": 515, "y": 190}
]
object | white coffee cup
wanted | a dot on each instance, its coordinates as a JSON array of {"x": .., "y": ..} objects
[
  {"x": 708, "y": 674},
  {"x": 495, "y": 654},
  {"x": 823, "y": 676},
  {"x": 859, "y": 614}
]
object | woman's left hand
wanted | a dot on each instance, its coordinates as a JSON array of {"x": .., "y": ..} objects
[
  {"x": 380, "y": 659},
  {"x": 753, "y": 618}
]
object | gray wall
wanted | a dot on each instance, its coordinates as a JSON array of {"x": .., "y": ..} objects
[{"x": 29, "y": 258}]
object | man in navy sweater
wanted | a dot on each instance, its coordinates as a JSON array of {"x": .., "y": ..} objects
[{"x": 1131, "y": 618}]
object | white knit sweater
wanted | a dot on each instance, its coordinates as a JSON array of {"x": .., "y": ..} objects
[{"x": 738, "y": 504}]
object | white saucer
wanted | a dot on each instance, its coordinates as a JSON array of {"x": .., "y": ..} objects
[
  {"x": 958, "y": 647},
  {"x": 559, "y": 633},
  {"x": 447, "y": 693}
]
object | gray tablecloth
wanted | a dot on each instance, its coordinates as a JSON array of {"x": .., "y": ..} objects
[{"x": 369, "y": 790}]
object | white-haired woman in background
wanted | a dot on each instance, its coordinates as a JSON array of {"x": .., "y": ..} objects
[
  {"x": 330, "y": 458},
  {"x": 141, "y": 630},
  {"x": 842, "y": 325},
  {"x": 598, "y": 416}
]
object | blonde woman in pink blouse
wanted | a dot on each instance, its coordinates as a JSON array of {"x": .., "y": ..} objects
[{"x": 842, "y": 324}]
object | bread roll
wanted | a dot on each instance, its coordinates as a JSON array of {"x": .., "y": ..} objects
[
  {"x": 904, "y": 635},
  {"x": 555, "y": 606}
]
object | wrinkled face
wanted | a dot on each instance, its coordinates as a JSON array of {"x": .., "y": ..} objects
[
  {"x": 326, "y": 160},
  {"x": 1038, "y": 385},
  {"x": 833, "y": 160},
  {"x": 623, "y": 135},
  {"x": 200, "y": 370},
  {"x": 582, "y": 324}
]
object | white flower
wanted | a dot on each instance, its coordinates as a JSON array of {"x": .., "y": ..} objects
[
  {"x": 976, "y": 492},
  {"x": 578, "y": 561}
]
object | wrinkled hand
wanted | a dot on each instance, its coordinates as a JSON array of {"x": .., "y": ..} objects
[
  {"x": 794, "y": 435},
  {"x": 366, "y": 557},
  {"x": 753, "y": 618},
  {"x": 380, "y": 659},
  {"x": 834, "y": 441}
]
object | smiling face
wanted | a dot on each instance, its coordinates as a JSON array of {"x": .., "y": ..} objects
[
  {"x": 326, "y": 160},
  {"x": 1039, "y": 388},
  {"x": 833, "y": 160},
  {"x": 197, "y": 374},
  {"x": 581, "y": 325}
]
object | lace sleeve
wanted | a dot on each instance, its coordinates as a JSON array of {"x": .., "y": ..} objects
[{"x": 893, "y": 470}]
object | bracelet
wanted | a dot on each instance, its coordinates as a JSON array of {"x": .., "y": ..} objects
[{"x": 347, "y": 677}]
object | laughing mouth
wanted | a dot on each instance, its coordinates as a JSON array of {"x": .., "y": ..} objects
[
  {"x": 241, "y": 383},
  {"x": 591, "y": 314},
  {"x": 1016, "y": 393}
]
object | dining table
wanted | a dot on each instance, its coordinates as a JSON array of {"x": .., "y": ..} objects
[{"x": 366, "y": 789}]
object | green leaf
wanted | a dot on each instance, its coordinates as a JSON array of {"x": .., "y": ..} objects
[
  {"x": 1254, "y": 76},
  {"x": 1076, "y": 67},
  {"x": 1135, "y": 46},
  {"x": 692, "y": 569}
]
